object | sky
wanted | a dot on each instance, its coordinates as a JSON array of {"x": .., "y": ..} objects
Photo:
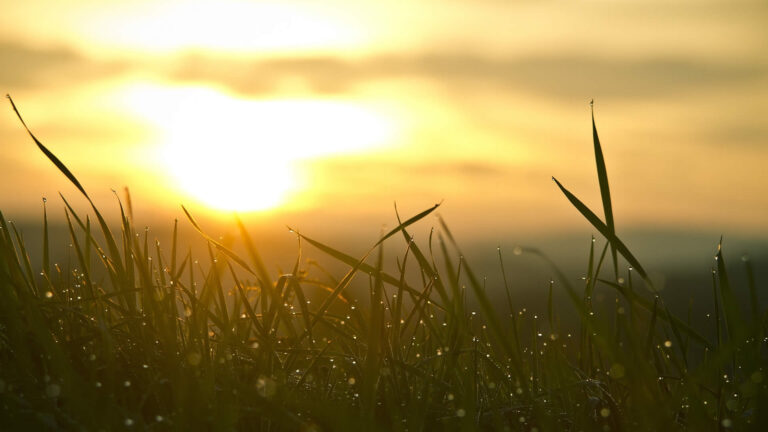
[{"x": 321, "y": 115}]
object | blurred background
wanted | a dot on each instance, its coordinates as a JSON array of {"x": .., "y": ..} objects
[{"x": 321, "y": 115}]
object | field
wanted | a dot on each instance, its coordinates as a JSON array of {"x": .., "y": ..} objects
[{"x": 130, "y": 335}]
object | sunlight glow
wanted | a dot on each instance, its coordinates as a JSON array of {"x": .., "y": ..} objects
[
  {"x": 222, "y": 26},
  {"x": 238, "y": 154}
]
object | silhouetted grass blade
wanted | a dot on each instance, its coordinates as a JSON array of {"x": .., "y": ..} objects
[
  {"x": 115, "y": 255},
  {"x": 734, "y": 319},
  {"x": 354, "y": 262},
  {"x": 47, "y": 152},
  {"x": 254, "y": 254},
  {"x": 754, "y": 303},
  {"x": 46, "y": 245},
  {"x": 600, "y": 226},
  {"x": 218, "y": 245},
  {"x": 636, "y": 300},
  {"x": 605, "y": 192}
]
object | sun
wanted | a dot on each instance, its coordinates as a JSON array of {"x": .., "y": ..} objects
[
  {"x": 236, "y": 154},
  {"x": 217, "y": 151}
]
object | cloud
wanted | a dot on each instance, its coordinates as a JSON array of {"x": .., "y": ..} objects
[
  {"x": 465, "y": 170},
  {"x": 555, "y": 76},
  {"x": 23, "y": 67}
]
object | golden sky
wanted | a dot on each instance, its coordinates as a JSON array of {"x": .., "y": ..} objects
[{"x": 317, "y": 113}]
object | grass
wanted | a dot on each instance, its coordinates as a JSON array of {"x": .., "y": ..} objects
[{"x": 131, "y": 336}]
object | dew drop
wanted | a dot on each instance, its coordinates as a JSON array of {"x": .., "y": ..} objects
[
  {"x": 194, "y": 358},
  {"x": 52, "y": 390},
  {"x": 617, "y": 371}
]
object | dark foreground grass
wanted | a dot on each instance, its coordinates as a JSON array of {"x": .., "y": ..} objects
[{"x": 132, "y": 336}]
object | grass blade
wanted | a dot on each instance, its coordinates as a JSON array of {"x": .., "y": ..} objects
[
  {"x": 46, "y": 246},
  {"x": 60, "y": 165},
  {"x": 603, "y": 228},
  {"x": 225, "y": 250},
  {"x": 605, "y": 191},
  {"x": 261, "y": 270}
]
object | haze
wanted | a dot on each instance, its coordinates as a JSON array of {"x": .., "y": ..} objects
[{"x": 322, "y": 115}]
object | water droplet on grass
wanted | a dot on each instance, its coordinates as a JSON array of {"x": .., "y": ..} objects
[
  {"x": 266, "y": 387},
  {"x": 52, "y": 390},
  {"x": 194, "y": 358}
]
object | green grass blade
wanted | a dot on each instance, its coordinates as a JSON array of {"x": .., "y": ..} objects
[
  {"x": 512, "y": 315},
  {"x": 24, "y": 258},
  {"x": 716, "y": 299},
  {"x": 735, "y": 324},
  {"x": 611, "y": 237},
  {"x": 225, "y": 250},
  {"x": 47, "y": 152},
  {"x": 60, "y": 165},
  {"x": 261, "y": 270},
  {"x": 652, "y": 327},
  {"x": 605, "y": 192},
  {"x": 635, "y": 300},
  {"x": 754, "y": 302},
  {"x": 46, "y": 243},
  {"x": 361, "y": 266}
]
